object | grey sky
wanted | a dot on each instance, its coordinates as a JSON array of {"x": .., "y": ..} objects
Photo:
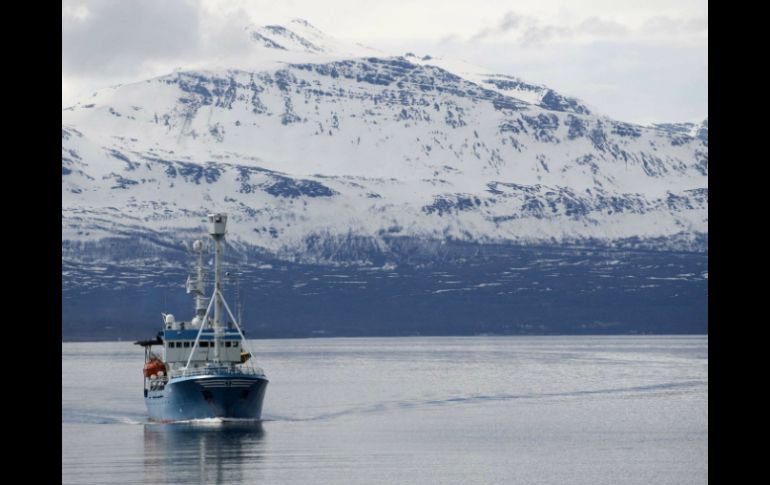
[{"x": 642, "y": 61}]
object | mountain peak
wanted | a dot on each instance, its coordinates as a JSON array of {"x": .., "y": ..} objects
[
  {"x": 282, "y": 38},
  {"x": 300, "y": 36},
  {"x": 304, "y": 23}
]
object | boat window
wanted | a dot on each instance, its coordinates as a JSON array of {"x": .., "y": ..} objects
[
  {"x": 187, "y": 344},
  {"x": 204, "y": 344},
  {"x": 227, "y": 344},
  {"x": 178, "y": 344}
]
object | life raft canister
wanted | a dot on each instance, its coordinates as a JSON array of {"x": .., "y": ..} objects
[{"x": 153, "y": 367}]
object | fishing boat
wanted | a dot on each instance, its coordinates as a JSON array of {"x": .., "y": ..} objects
[{"x": 204, "y": 369}]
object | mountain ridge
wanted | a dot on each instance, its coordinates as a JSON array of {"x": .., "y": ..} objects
[
  {"x": 380, "y": 195},
  {"x": 413, "y": 101}
]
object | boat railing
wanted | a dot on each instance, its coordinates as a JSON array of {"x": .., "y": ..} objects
[
  {"x": 219, "y": 371},
  {"x": 157, "y": 383}
]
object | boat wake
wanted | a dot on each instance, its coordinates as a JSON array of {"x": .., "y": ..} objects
[
  {"x": 383, "y": 407},
  {"x": 215, "y": 421},
  {"x": 97, "y": 417}
]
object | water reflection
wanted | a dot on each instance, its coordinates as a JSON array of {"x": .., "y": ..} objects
[{"x": 202, "y": 453}]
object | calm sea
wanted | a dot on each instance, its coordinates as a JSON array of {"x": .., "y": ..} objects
[{"x": 464, "y": 410}]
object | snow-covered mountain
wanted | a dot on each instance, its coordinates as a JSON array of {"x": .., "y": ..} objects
[{"x": 311, "y": 143}]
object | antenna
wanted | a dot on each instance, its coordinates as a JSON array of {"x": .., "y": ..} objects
[
  {"x": 238, "y": 299},
  {"x": 235, "y": 277},
  {"x": 199, "y": 287},
  {"x": 239, "y": 308},
  {"x": 216, "y": 226}
]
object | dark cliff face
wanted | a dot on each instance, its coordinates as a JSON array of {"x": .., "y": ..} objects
[{"x": 439, "y": 289}]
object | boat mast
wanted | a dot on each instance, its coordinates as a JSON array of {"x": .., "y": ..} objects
[
  {"x": 216, "y": 226},
  {"x": 238, "y": 299},
  {"x": 200, "y": 297}
]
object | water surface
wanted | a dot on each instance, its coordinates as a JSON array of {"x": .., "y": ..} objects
[{"x": 534, "y": 410}]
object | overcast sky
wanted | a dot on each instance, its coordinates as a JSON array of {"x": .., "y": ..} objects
[{"x": 642, "y": 61}]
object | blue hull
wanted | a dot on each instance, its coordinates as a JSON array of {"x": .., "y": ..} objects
[{"x": 208, "y": 396}]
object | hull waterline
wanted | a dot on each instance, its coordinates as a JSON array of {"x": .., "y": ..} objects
[{"x": 211, "y": 396}]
